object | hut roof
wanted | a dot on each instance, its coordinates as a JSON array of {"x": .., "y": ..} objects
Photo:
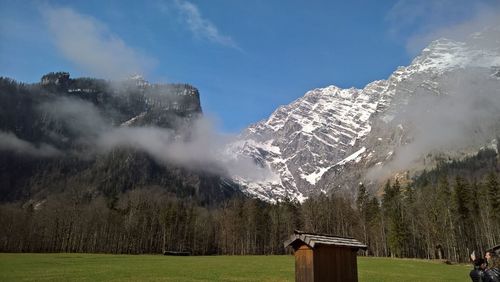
[{"x": 313, "y": 239}]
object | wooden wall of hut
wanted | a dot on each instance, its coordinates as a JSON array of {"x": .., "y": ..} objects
[
  {"x": 304, "y": 267},
  {"x": 325, "y": 263},
  {"x": 334, "y": 263}
]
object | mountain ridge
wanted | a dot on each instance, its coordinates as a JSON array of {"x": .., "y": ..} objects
[
  {"x": 64, "y": 133},
  {"x": 308, "y": 142}
]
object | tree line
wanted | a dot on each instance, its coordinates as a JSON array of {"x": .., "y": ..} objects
[{"x": 444, "y": 213}]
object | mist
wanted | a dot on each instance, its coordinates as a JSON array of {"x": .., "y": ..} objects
[
  {"x": 464, "y": 117},
  {"x": 10, "y": 142},
  {"x": 200, "y": 147},
  {"x": 94, "y": 49},
  {"x": 91, "y": 46},
  {"x": 79, "y": 116},
  {"x": 421, "y": 22}
]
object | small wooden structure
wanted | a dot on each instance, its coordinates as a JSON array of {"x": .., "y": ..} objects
[{"x": 322, "y": 257}]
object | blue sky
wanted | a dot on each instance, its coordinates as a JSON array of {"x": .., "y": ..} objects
[{"x": 246, "y": 57}]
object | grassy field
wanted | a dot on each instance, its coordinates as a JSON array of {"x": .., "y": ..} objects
[{"x": 92, "y": 267}]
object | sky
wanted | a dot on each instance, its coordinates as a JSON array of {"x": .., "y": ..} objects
[{"x": 246, "y": 57}]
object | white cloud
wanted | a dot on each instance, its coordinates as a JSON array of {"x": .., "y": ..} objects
[
  {"x": 485, "y": 20},
  {"x": 198, "y": 147},
  {"x": 90, "y": 45},
  {"x": 203, "y": 150},
  {"x": 464, "y": 117},
  {"x": 201, "y": 27},
  {"x": 420, "y": 22},
  {"x": 10, "y": 142}
]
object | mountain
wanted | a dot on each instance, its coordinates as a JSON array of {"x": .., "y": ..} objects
[
  {"x": 97, "y": 136},
  {"x": 108, "y": 137},
  {"x": 333, "y": 138}
]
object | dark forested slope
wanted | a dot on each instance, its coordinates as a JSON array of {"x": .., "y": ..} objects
[{"x": 51, "y": 137}]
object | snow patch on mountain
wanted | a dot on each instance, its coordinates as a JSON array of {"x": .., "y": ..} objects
[
  {"x": 444, "y": 55},
  {"x": 325, "y": 129}
]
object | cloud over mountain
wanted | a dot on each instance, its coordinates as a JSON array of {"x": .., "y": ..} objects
[{"x": 91, "y": 46}]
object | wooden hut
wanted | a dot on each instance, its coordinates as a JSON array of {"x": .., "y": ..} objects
[{"x": 322, "y": 257}]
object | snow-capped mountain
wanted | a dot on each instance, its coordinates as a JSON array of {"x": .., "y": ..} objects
[{"x": 331, "y": 137}]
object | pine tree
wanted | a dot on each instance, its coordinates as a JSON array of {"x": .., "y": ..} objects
[
  {"x": 362, "y": 198},
  {"x": 445, "y": 222},
  {"x": 361, "y": 203},
  {"x": 397, "y": 228},
  {"x": 494, "y": 197},
  {"x": 409, "y": 218},
  {"x": 375, "y": 227},
  {"x": 463, "y": 199}
]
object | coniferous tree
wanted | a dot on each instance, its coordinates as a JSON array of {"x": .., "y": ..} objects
[
  {"x": 494, "y": 197},
  {"x": 362, "y": 204},
  {"x": 397, "y": 229},
  {"x": 493, "y": 207},
  {"x": 445, "y": 220},
  {"x": 375, "y": 228},
  {"x": 463, "y": 203}
]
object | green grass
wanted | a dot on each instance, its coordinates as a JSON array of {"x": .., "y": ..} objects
[
  {"x": 92, "y": 267},
  {"x": 387, "y": 269}
]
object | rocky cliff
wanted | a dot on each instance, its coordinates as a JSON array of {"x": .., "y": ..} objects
[
  {"x": 53, "y": 137},
  {"x": 332, "y": 139}
]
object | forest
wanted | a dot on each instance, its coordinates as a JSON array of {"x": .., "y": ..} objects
[{"x": 443, "y": 213}]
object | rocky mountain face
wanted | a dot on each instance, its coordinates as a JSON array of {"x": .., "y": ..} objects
[
  {"x": 50, "y": 138},
  {"x": 334, "y": 139},
  {"x": 53, "y": 133}
]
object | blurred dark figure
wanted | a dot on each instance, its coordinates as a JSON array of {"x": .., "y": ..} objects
[
  {"x": 478, "y": 273},
  {"x": 492, "y": 272}
]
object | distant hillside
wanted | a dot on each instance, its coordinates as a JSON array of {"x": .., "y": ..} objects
[{"x": 49, "y": 134}]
